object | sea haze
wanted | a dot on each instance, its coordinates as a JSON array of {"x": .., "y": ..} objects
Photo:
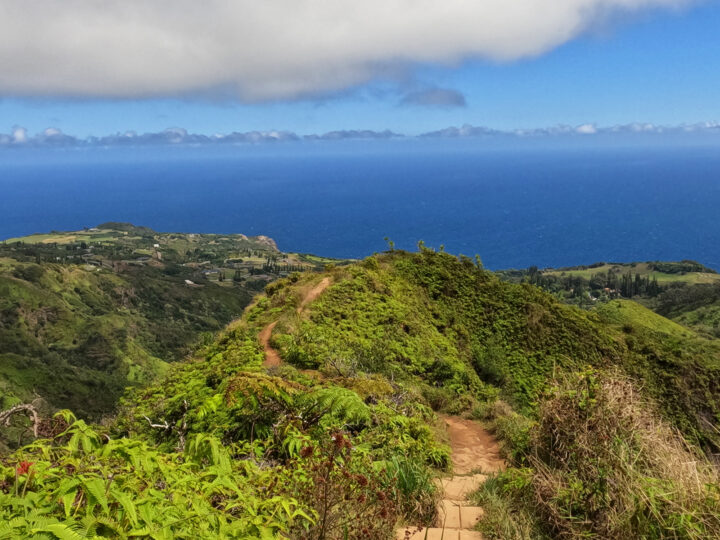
[{"x": 513, "y": 207}]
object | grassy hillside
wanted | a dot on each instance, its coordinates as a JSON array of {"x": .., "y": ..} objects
[
  {"x": 78, "y": 336},
  {"x": 689, "y": 272},
  {"x": 463, "y": 332},
  {"x": 697, "y": 307},
  {"x": 446, "y": 322},
  {"x": 600, "y": 282},
  {"x": 678, "y": 368},
  {"x": 341, "y": 440},
  {"x": 686, "y": 292},
  {"x": 84, "y": 314}
]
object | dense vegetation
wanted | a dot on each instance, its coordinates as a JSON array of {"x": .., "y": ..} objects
[
  {"x": 465, "y": 334},
  {"x": 84, "y": 314},
  {"x": 607, "y": 416},
  {"x": 600, "y": 281},
  {"x": 696, "y": 306},
  {"x": 222, "y": 449}
]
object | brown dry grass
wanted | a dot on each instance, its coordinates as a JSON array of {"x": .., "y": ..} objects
[{"x": 607, "y": 466}]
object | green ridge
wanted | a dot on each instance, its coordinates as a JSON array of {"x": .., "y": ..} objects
[{"x": 342, "y": 441}]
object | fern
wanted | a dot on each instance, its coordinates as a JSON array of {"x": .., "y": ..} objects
[
  {"x": 343, "y": 404},
  {"x": 61, "y": 531},
  {"x": 6, "y": 532},
  {"x": 127, "y": 505},
  {"x": 260, "y": 387},
  {"x": 210, "y": 406},
  {"x": 83, "y": 437},
  {"x": 205, "y": 448},
  {"x": 95, "y": 488},
  {"x": 294, "y": 441}
]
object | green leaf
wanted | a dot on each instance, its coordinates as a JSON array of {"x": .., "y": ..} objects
[
  {"x": 61, "y": 531},
  {"x": 128, "y": 505},
  {"x": 96, "y": 488},
  {"x": 68, "y": 499}
]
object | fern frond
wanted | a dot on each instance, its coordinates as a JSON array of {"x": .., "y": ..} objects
[
  {"x": 260, "y": 387},
  {"x": 210, "y": 406},
  {"x": 95, "y": 487},
  {"x": 342, "y": 403},
  {"x": 127, "y": 505},
  {"x": 61, "y": 531}
]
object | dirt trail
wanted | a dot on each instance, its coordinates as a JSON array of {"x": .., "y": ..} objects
[
  {"x": 272, "y": 357},
  {"x": 475, "y": 453},
  {"x": 473, "y": 448},
  {"x": 313, "y": 293}
]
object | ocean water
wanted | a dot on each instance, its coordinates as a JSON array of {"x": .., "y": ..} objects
[{"x": 513, "y": 207}]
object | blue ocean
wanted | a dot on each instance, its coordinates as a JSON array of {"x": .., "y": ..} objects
[{"x": 515, "y": 207}]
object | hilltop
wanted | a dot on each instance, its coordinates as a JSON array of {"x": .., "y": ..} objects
[
  {"x": 340, "y": 435},
  {"x": 83, "y": 314}
]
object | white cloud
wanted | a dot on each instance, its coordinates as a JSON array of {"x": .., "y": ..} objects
[
  {"x": 586, "y": 129},
  {"x": 19, "y": 135},
  {"x": 267, "y": 49},
  {"x": 705, "y": 131}
]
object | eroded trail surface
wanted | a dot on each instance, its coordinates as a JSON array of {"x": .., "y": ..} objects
[
  {"x": 272, "y": 357},
  {"x": 313, "y": 293},
  {"x": 475, "y": 453},
  {"x": 473, "y": 448}
]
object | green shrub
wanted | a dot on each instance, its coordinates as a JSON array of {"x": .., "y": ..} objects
[
  {"x": 84, "y": 484},
  {"x": 29, "y": 272}
]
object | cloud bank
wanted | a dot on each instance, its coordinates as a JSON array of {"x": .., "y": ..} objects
[
  {"x": 53, "y": 137},
  {"x": 271, "y": 49}
]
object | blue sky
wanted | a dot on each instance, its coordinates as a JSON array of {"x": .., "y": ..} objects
[{"x": 658, "y": 65}]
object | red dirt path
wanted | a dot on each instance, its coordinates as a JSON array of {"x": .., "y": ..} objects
[{"x": 272, "y": 357}]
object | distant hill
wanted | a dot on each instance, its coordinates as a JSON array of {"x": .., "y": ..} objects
[
  {"x": 685, "y": 291},
  {"x": 665, "y": 271}
]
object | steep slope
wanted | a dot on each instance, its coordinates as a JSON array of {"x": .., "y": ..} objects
[
  {"x": 83, "y": 314},
  {"x": 464, "y": 334},
  {"x": 697, "y": 307},
  {"x": 440, "y": 319},
  {"x": 341, "y": 438},
  {"x": 77, "y": 336}
]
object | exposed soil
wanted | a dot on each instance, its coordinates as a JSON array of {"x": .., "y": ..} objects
[
  {"x": 272, "y": 357},
  {"x": 473, "y": 448},
  {"x": 313, "y": 293},
  {"x": 475, "y": 453}
]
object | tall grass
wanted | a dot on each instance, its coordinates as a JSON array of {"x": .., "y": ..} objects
[
  {"x": 415, "y": 489},
  {"x": 601, "y": 463}
]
